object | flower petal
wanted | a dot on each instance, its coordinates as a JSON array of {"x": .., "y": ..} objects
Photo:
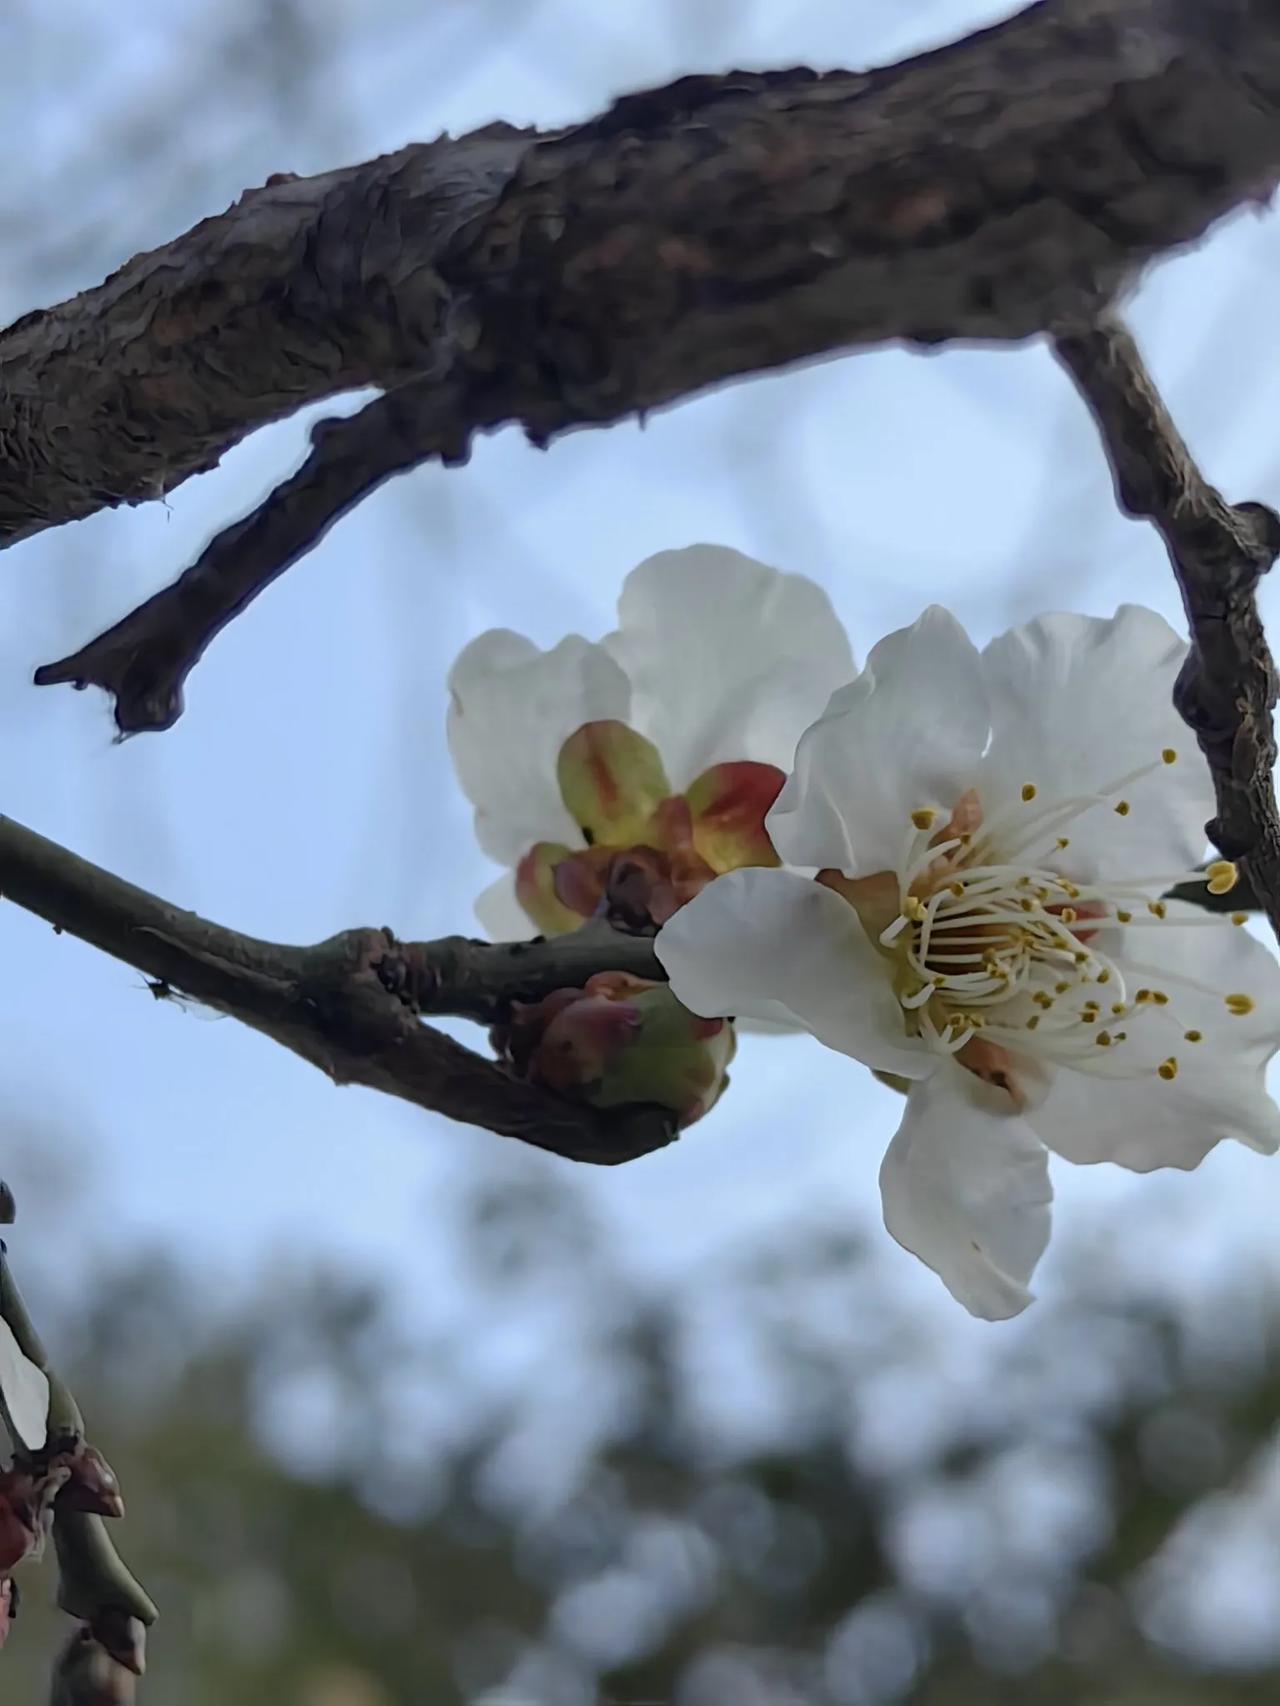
[
  {"x": 772, "y": 945},
  {"x": 1141, "y": 1120},
  {"x": 728, "y": 659},
  {"x": 967, "y": 1191},
  {"x": 24, "y": 1389},
  {"x": 512, "y": 708},
  {"x": 502, "y": 918},
  {"x": 1078, "y": 702},
  {"x": 909, "y": 732}
]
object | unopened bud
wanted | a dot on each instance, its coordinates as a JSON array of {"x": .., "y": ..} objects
[{"x": 620, "y": 1040}]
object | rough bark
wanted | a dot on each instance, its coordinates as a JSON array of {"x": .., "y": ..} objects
[{"x": 717, "y": 227}]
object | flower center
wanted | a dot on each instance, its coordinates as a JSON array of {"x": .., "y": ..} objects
[
  {"x": 646, "y": 849},
  {"x": 1001, "y": 960}
]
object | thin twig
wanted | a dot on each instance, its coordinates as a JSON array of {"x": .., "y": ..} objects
[
  {"x": 349, "y": 1004},
  {"x": 144, "y": 660},
  {"x": 1226, "y": 691}
]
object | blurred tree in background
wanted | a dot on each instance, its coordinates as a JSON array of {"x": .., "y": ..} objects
[{"x": 617, "y": 1540}]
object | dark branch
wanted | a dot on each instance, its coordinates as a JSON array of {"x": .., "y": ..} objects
[
  {"x": 1226, "y": 691},
  {"x": 349, "y": 1004},
  {"x": 719, "y": 227}
]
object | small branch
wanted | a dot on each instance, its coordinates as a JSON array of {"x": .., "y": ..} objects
[
  {"x": 144, "y": 660},
  {"x": 348, "y": 1005},
  {"x": 480, "y": 980},
  {"x": 1226, "y": 691}
]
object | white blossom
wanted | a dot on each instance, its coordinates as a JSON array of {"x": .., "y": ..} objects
[
  {"x": 718, "y": 663},
  {"x": 993, "y": 833}
]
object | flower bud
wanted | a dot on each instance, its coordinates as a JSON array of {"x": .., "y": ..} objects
[{"x": 619, "y": 1040}]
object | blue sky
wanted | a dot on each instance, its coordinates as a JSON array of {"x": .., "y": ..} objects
[{"x": 308, "y": 787}]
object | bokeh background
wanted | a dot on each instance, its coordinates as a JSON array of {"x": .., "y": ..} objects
[{"x": 407, "y": 1415}]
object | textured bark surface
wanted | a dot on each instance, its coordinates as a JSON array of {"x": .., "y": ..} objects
[{"x": 718, "y": 227}]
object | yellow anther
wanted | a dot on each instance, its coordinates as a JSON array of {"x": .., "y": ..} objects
[
  {"x": 1104, "y": 976},
  {"x": 1123, "y": 917},
  {"x": 1221, "y": 877},
  {"x": 1033, "y": 1021},
  {"x": 1061, "y": 988},
  {"x": 1027, "y": 904},
  {"x": 1028, "y": 792},
  {"x": 1239, "y": 1005},
  {"x": 1069, "y": 889},
  {"x": 1168, "y": 1069},
  {"x": 1239, "y": 918},
  {"x": 1122, "y": 1036},
  {"x": 924, "y": 817},
  {"x": 914, "y": 909},
  {"x": 1159, "y": 997},
  {"x": 1042, "y": 1000},
  {"x": 1118, "y": 1009},
  {"x": 1193, "y": 1036},
  {"x": 1169, "y": 755},
  {"x": 1143, "y": 996},
  {"x": 1063, "y": 843},
  {"x": 1069, "y": 915},
  {"x": 957, "y": 889},
  {"x": 1122, "y": 808},
  {"x": 1104, "y": 1039},
  {"x": 1080, "y": 959},
  {"x": 1157, "y": 908}
]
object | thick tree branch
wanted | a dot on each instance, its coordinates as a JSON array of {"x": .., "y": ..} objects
[
  {"x": 350, "y": 1005},
  {"x": 719, "y": 227},
  {"x": 1226, "y": 691}
]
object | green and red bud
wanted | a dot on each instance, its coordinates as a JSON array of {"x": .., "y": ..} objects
[{"x": 619, "y": 1040}]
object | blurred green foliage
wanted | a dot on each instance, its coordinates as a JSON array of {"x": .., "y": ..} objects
[{"x": 714, "y": 1505}]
